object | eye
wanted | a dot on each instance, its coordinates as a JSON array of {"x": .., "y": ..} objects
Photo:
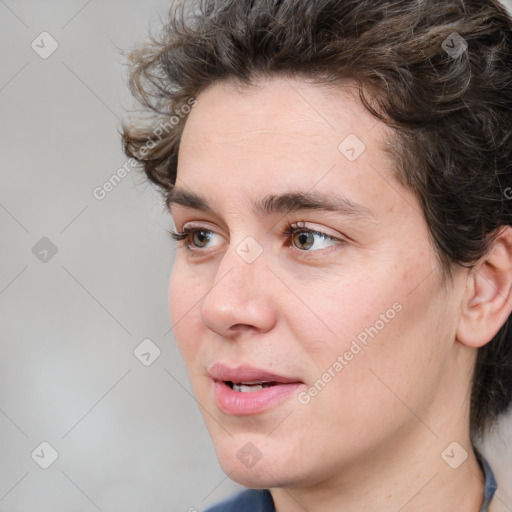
[
  {"x": 196, "y": 238},
  {"x": 310, "y": 240},
  {"x": 200, "y": 238}
]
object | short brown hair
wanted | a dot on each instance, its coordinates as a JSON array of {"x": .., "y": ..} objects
[{"x": 451, "y": 110}]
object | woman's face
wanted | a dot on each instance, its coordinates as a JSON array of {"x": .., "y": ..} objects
[{"x": 316, "y": 336}]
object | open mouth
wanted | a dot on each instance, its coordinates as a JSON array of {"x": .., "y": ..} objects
[
  {"x": 249, "y": 387},
  {"x": 246, "y": 390}
]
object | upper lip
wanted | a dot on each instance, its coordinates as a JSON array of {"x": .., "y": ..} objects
[{"x": 244, "y": 373}]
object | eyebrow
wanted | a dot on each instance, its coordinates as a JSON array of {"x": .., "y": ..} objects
[{"x": 280, "y": 203}]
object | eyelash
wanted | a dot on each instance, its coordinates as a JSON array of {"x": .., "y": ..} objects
[{"x": 288, "y": 231}]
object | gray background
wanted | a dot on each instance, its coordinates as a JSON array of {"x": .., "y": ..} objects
[{"x": 129, "y": 437}]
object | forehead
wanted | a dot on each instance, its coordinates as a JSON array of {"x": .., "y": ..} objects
[
  {"x": 285, "y": 135},
  {"x": 280, "y": 106}
]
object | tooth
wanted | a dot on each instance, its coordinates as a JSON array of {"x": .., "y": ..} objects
[{"x": 242, "y": 388}]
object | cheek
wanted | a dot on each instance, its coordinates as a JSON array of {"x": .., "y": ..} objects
[
  {"x": 342, "y": 310},
  {"x": 376, "y": 325},
  {"x": 392, "y": 343},
  {"x": 184, "y": 310}
]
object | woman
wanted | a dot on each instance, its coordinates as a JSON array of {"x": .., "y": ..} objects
[{"x": 339, "y": 175}]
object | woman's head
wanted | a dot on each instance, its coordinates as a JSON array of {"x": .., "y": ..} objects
[{"x": 344, "y": 177}]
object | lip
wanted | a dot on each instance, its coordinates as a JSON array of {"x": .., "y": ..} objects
[
  {"x": 235, "y": 403},
  {"x": 246, "y": 373}
]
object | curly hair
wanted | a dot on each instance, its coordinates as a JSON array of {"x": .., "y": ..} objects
[{"x": 439, "y": 72}]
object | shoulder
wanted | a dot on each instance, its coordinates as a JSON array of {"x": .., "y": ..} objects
[{"x": 249, "y": 501}]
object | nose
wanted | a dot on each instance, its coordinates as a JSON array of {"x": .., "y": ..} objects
[{"x": 240, "y": 298}]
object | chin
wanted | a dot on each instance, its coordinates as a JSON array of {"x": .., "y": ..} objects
[
  {"x": 252, "y": 478},
  {"x": 256, "y": 463},
  {"x": 263, "y": 475}
]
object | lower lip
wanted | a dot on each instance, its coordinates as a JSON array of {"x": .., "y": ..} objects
[{"x": 236, "y": 403}]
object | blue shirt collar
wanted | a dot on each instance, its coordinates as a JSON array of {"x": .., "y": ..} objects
[{"x": 490, "y": 483}]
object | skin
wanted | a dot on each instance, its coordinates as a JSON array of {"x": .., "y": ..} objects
[{"x": 372, "y": 439}]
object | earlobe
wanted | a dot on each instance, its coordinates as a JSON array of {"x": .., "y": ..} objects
[{"x": 488, "y": 299}]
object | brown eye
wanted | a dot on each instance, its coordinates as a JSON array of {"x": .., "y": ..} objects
[
  {"x": 200, "y": 237},
  {"x": 310, "y": 240},
  {"x": 303, "y": 239},
  {"x": 197, "y": 239}
]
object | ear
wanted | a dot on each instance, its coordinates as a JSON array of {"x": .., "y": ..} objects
[{"x": 488, "y": 299}]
